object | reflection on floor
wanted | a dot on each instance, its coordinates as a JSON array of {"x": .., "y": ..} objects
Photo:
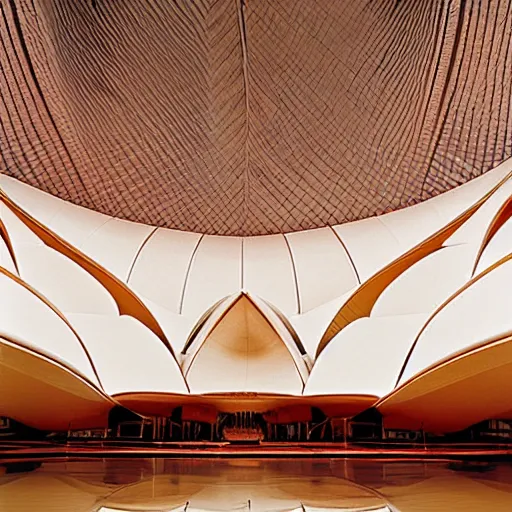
[{"x": 255, "y": 485}]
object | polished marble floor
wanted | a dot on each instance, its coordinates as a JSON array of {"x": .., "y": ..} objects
[{"x": 278, "y": 485}]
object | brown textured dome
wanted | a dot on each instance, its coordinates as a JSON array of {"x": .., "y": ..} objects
[{"x": 253, "y": 116}]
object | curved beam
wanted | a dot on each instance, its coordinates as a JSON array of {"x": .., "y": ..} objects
[
  {"x": 47, "y": 303},
  {"x": 243, "y": 341},
  {"x": 4, "y": 235},
  {"x": 42, "y": 393},
  {"x": 445, "y": 303},
  {"x": 456, "y": 393},
  {"x": 504, "y": 213},
  {"x": 363, "y": 299},
  {"x": 127, "y": 301}
]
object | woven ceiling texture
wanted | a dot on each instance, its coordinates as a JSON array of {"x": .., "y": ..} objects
[{"x": 246, "y": 117}]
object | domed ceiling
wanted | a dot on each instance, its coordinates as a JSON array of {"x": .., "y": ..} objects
[{"x": 245, "y": 117}]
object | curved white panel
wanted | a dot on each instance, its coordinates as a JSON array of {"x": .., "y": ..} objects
[
  {"x": 312, "y": 325},
  {"x": 64, "y": 283},
  {"x": 241, "y": 352},
  {"x": 362, "y": 238},
  {"x": 323, "y": 268},
  {"x": 115, "y": 245},
  {"x": 215, "y": 272},
  {"x": 395, "y": 233},
  {"x": 59, "y": 279},
  {"x": 202, "y": 328},
  {"x": 366, "y": 357},
  {"x": 176, "y": 327},
  {"x": 35, "y": 202},
  {"x": 473, "y": 231},
  {"x": 427, "y": 284},
  {"x": 26, "y": 319},
  {"x": 452, "y": 203},
  {"x": 19, "y": 234},
  {"x": 127, "y": 356},
  {"x": 414, "y": 224},
  {"x": 268, "y": 271},
  {"x": 285, "y": 332},
  {"x": 161, "y": 268},
  {"x": 71, "y": 222},
  {"x": 74, "y": 223},
  {"x": 498, "y": 247},
  {"x": 481, "y": 313}
]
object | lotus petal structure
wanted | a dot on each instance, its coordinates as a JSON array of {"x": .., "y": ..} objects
[{"x": 256, "y": 206}]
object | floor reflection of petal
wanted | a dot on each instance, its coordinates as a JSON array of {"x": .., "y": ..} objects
[{"x": 300, "y": 485}]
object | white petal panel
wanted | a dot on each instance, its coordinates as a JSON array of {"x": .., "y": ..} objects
[
  {"x": 481, "y": 313},
  {"x": 361, "y": 239},
  {"x": 128, "y": 356},
  {"x": 64, "y": 283},
  {"x": 286, "y": 333},
  {"x": 473, "y": 231},
  {"x": 215, "y": 272},
  {"x": 414, "y": 224},
  {"x": 323, "y": 267},
  {"x": 427, "y": 284},
  {"x": 28, "y": 320},
  {"x": 75, "y": 224},
  {"x": 366, "y": 357},
  {"x": 161, "y": 268},
  {"x": 59, "y": 279},
  {"x": 242, "y": 353},
  {"x": 176, "y": 327},
  {"x": 268, "y": 271},
  {"x": 312, "y": 325},
  {"x": 71, "y": 222},
  {"x": 39, "y": 204},
  {"x": 452, "y": 203},
  {"x": 115, "y": 245},
  {"x": 19, "y": 234}
]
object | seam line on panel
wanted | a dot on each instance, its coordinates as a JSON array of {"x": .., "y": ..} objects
[
  {"x": 297, "y": 294},
  {"x": 188, "y": 273},
  {"x": 139, "y": 250},
  {"x": 347, "y": 253}
]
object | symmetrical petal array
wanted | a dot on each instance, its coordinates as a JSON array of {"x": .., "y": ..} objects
[{"x": 409, "y": 312}]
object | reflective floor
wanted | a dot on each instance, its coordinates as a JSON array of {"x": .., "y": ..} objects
[{"x": 255, "y": 485}]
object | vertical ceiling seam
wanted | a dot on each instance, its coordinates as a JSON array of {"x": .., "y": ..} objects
[{"x": 241, "y": 6}]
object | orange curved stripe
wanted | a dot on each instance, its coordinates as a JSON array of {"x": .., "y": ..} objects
[
  {"x": 363, "y": 299},
  {"x": 4, "y": 235},
  {"x": 504, "y": 213},
  {"x": 127, "y": 301},
  {"x": 445, "y": 303},
  {"x": 56, "y": 311}
]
